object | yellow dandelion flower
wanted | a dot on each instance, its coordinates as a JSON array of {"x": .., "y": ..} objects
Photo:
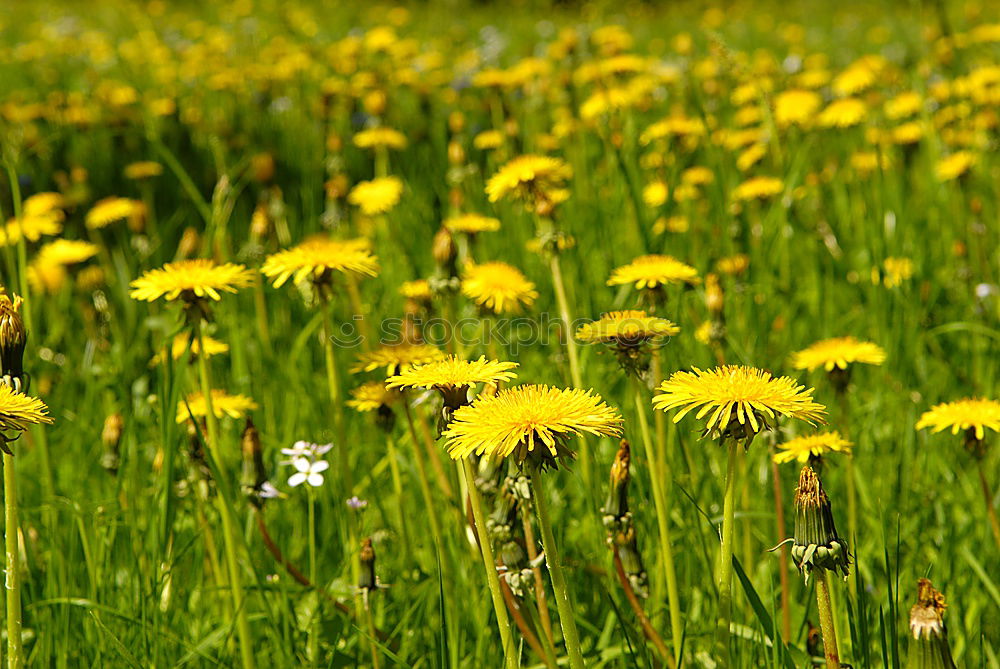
[
  {"x": 40, "y": 204},
  {"x": 626, "y": 328},
  {"x": 697, "y": 176},
  {"x": 371, "y": 138},
  {"x": 838, "y": 352},
  {"x": 453, "y": 377},
  {"x": 528, "y": 420},
  {"x": 372, "y": 396},
  {"x": 316, "y": 259},
  {"x": 796, "y": 107},
  {"x": 376, "y": 196},
  {"x": 113, "y": 209},
  {"x": 843, "y": 113},
  {"x": 18, "y": 411},
  {"x": 951, "y": 167},
  {"x": 655, "y": 194},
  {"x": 488, "y": 139},
  {"x": 419, "y": 290},
  {"x": 758, "y": 188},
  {"x": 472, "y": 224},
  {"x": 903, "y": 105},
  {"x": 801, "y": 449},
  {"x": 654, "y": 270},
  {"x": 223, "y": 404},
  {"x": 145, "y": 169},
  {"x": 897, "y": 270},
  {"x": 703, "y": 335},
  {"x": 395, "y": 357},
  {"x": 498, "y": 287},
  {"x": 190, "y": 279},
  {"x": 734, "y": 264},
  {"x": 975, "y": 415},
  {"x": 741, "y": 399},
  {"x": 31, "y": 227},
  {"x": 525, "y": 176},
  {"x": 179, "y": 347},
  {"x": 67, "y": 251}
]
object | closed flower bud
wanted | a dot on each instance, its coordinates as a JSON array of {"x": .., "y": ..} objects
[
  {"x": 817, "y": 544},
  {"x": 366, "y": 579},
  {"x": 13, "y": 337}
]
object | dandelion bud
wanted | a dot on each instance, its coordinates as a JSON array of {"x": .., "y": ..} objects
[
  {"x": 817, "y": 544},
  {"x": 262, "y": 166},
  {"x": 188, "y": 245},
  {"x": 375, "y": 103},
  {"x": 444, "y": 250},
  {"x": 254, "y": 472},
  {"x": 456, "y": 154},
  {"x": 13, "y": 337},
  {"x": 714, "y": 299},
  {"x": 366, "y": 579},
  {"x": 111, "y": 435},
  {"x": 929, "y": 647},
  {"x": 456, "y": 122},
  {"x": 615, "y": 509}
]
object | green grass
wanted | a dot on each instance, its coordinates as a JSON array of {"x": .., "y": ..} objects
[{"x": 115, "y": 568}]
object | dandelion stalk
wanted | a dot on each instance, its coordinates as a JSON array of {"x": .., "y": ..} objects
[
  {"x": 991, "y": 511},
  {"x": 314, "y": 626},
  {"x": 540, "y": 597},
  {"x": 228, "y": 528},
  {"x": 725, "y": 570},
  {"x": 15, "y": 649},
  {"x": 826, "y": 620},
  {"x": 663, "y": 523},
  {"x": 333, "y": 387},
  {"x": 425, "y": 486},
  {"x": 554, "y": 562},
  {"x": 489, "y": 563}
]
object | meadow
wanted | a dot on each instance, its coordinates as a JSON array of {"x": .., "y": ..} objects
[{"x": 458, "y": 335}]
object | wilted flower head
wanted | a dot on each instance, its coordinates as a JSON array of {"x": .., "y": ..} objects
[{"x": 929, "y": 648}]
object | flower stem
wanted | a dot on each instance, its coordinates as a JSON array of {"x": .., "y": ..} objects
[
  {"x": 15, "y": 650},
  {"x": 554, "y": 562},
  {"x": 663, "y": 523},
  {"x": 314, "y": 626},
  {"x": 991, "y": 512},
  {"x": 540, "y": 598},
  {"x": 779, "y": 514},
  {"x": 489, "y": 562},
  {"x": 228, "y": 528},
  {"x": 397, "y": 487},
  {"x": 333, "y": 387},
  {"x": 425, "y": 486},
  {"x": 725, "y": 573},
  {"x": 826, "y": 620},
  {"x": 571, "y": 352}
]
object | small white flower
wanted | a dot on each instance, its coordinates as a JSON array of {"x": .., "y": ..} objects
[
  {"x": 268, "y": 491},
  {"x": 308, "y": 471},
  {"x": 305, "y": 449}
]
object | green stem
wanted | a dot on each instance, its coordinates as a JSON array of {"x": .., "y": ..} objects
[
  {"x": 397, "y": 487},
  {"x": 826, "y": 620},
  {"x": 314, "y": 625},
  {"x": 333, "y": 387},
  {"x": 554, "y": 562},
  {"x": 489, "y": 563},
  {"x": 571, "y": 352},
  {"x": 228, "y": 528},
  {"x": 425, "y": 486},
  {"x": 725, "y": 572},
  {"x": 991, "y": 512},
  {"x": 663, "y": 522},
  {"x": 15, "y": 650}
]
